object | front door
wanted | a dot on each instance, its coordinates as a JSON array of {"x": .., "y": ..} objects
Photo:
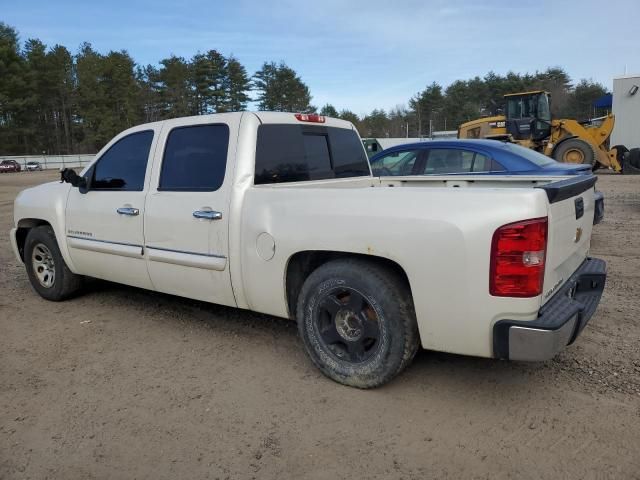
[
  {"x": 187, "y": 210},
  {"x": 104, "y": 226}
]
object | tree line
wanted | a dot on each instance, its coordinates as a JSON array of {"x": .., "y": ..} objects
[
  {"x": 436, "y": 108},
  {"x": 56, "y": 102}
]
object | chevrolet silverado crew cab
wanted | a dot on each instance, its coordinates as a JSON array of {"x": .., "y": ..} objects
[{"x": 279, "y": 213}]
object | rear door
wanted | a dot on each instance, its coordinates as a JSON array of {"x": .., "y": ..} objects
[{"x": 187, "y": 210}]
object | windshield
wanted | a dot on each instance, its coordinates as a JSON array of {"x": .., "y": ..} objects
[
  {"x": 529, "y": 106},
  {"x": 537, "y": 158}
]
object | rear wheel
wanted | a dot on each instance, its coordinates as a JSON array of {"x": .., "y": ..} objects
[
  {"x": 621, "y": 151},
  {"x": 357, "y": 322},
  {"x": 47, "y": 270},
  {"x": 575, "y": 150},
  {"x": 631, "y": 162}
]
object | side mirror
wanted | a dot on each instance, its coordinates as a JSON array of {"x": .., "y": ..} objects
[{"x": 69, "y": 175}]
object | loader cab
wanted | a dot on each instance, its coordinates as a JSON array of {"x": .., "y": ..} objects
[{"x": 528, "y": 115}]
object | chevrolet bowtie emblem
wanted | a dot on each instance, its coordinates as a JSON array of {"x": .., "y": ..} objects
[{"x": 578, "y": 235}]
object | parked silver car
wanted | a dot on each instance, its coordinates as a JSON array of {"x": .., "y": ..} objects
[{"x": 33, "y": 166}]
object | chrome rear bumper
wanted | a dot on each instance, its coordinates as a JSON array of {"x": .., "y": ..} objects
[{"x": 559, "y": 321}]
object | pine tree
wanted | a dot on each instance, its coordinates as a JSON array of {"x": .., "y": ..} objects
[
  {"x": 208, "y": 74},
  {"x": 236, "y": 86},
  {"x": 174, "y": 88},
  {"x": 12, "y": 87},
  {"x": 329, "y": 111},
  {"x": 281, "y": 90}
]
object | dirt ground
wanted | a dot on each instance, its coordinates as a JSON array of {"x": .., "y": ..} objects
[{"x": 125, "y": 383}]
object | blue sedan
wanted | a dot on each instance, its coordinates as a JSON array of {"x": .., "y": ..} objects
[
  {"x": 474, "y": 157},
  {"x": 465, "y": 157}
]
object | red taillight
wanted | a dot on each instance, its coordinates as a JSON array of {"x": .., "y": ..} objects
[
  {"x": 517, "y": 259},
  {"x": 310, "y": 117}
]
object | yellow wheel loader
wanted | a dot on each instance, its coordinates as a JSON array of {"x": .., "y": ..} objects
[{"x": 527, "y": 121}]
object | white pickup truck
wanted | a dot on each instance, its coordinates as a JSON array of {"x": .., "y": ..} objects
[{"x": 279, "y": 213}]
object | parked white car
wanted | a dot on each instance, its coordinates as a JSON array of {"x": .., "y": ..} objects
[
  {"x": 33, "y": 166},
  {"x": 279, "y": 213}
]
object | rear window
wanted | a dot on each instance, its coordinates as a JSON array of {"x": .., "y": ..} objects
[
  {"x": 295, "y": 153},
  {"x": 531, "y": 155}
]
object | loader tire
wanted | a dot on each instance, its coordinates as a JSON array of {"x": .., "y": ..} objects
[
  {"x": 576, "y": 151},
  {"x": 631, "y": 162}
]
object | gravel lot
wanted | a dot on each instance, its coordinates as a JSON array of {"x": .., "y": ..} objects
[{"x": 125, "y": 383}]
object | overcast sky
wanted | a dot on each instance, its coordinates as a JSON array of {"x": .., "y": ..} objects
[{"x": 358, "y": 55}]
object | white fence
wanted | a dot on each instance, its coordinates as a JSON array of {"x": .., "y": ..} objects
[{"x": 52, "y": 161}]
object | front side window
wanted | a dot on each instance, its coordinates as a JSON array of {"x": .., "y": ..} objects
[
  {"x": 124, "y": 165},
  {"x": 395, "y": 163},
  {"x": 195, "y": 158}
]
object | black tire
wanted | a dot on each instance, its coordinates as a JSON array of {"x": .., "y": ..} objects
[
  {"x": 40, "y": 253},
  {"x": 631, "y": 162},
  {"x": 357, "y": 322},
  {"x": 621, "y": 151},
  {"x": 575, "y": 148}
]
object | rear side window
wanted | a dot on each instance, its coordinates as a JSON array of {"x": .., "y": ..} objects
[
  {"x": 124, "y": 165},
  {"x": 295, "y": 153},
  {"x": 195, "y": 158},
  {"x": 451, "y": 160}
]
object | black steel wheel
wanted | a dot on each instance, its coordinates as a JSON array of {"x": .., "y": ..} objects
[
  {"x": 357, "y": 322},
  {"x": 348, "y": 326}
]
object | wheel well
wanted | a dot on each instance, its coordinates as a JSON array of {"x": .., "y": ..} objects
[
  {"x": 302, "y": 264},
  {"x": 24, "y": 226}
]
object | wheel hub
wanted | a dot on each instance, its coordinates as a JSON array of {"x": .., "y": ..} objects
[
  {"x": 43, "y": 265},
  {"x": 574, "y": 156},
  {"x": 348, "y": 325}
]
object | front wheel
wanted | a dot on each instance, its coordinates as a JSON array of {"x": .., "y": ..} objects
[
  {"x": 47, "y": 270},
  {"x": 575, "y": 150},
  {"x": 357, "y": 322}
]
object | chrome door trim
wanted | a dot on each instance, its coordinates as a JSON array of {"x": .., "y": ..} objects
[
  {"x": 185, "y": 251},
  {"x": 187, "y": 259},
  {"x": 105, "y": 246}
]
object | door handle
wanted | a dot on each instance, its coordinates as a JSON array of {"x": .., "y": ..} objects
[
  {"x": 128, "y": 211},
  {"x": 207, "y": 214}
]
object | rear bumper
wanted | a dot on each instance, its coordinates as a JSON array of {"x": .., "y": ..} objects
[
  {"x": 598, "y": 214},
  {"x": 559, "y": 321}
]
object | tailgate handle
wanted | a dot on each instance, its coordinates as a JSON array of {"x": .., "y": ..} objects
[{"x": 579, "y": 202}]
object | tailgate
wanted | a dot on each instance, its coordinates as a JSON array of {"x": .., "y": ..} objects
[{"x": 571, "y": 210}]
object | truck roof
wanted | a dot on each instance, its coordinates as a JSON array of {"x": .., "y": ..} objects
[{"x": 264, "y": 117}]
